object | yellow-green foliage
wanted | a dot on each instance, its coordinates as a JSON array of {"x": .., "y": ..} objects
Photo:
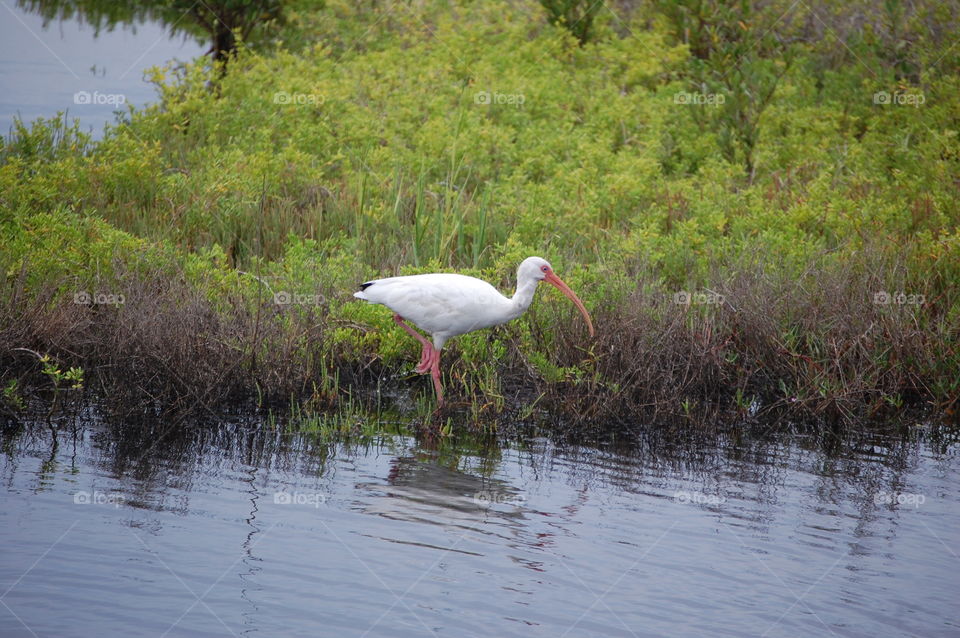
[
  {"x": 67, "y": 252},
  {"x": 401, "y": 153}
]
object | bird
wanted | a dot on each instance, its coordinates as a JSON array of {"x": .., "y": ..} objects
[{"x": 446, "y": 305}]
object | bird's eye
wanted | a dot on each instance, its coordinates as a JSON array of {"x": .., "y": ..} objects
[{"x": 545, "y": 268}]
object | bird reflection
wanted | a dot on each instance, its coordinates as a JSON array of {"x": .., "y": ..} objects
[{"x": 423, "y": 491}]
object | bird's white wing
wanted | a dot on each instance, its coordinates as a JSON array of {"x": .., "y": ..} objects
[{"x": 441, "y": 304}]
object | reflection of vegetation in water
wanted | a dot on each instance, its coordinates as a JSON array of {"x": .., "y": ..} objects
[
  {"x": 224, "y": 23},
  {"x": 152, "y": 457},
  {"x": 350, "y": 422},
  {"x": 455, "y": 445}
]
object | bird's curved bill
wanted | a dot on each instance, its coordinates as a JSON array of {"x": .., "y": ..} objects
[{"x": 553, "y": 280}]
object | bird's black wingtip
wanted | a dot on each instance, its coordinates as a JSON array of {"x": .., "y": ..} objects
[{"x": 365, "y": 285}]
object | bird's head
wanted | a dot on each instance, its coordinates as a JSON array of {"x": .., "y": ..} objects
[
  {"x": 538, "y": 269},
  {"x": 535, "y": 268}
]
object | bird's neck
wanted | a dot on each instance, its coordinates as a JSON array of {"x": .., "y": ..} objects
[{"x": 523, "y": 297}]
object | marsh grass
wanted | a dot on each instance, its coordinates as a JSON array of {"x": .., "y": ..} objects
[{"x": 817, "y": 348}]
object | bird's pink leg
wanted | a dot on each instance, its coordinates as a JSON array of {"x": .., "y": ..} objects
[
  {"x": 424, "y": 364},
  {"x": 435, "y": 373},
  {"x": 429, "y": 359}
]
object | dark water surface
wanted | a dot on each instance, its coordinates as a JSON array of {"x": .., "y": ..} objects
[{"x": 225, "y": 530}]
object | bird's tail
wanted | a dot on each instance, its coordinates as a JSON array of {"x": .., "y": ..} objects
[{"x": 360, "y": 294}]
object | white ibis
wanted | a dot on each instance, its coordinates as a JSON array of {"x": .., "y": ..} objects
[{"x": 445, "y": 305}]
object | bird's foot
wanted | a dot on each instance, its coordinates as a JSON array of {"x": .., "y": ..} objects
[
  {"x": 425, "y": 360},
  {"x": 424, "y": 366}
]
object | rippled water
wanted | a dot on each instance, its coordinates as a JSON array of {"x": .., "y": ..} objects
[{"x": 218, "y": 530}]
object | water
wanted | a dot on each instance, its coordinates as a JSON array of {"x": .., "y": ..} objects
[
  {"x": 224, "y": 530},
  {"x": 64, "y": 67}
]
